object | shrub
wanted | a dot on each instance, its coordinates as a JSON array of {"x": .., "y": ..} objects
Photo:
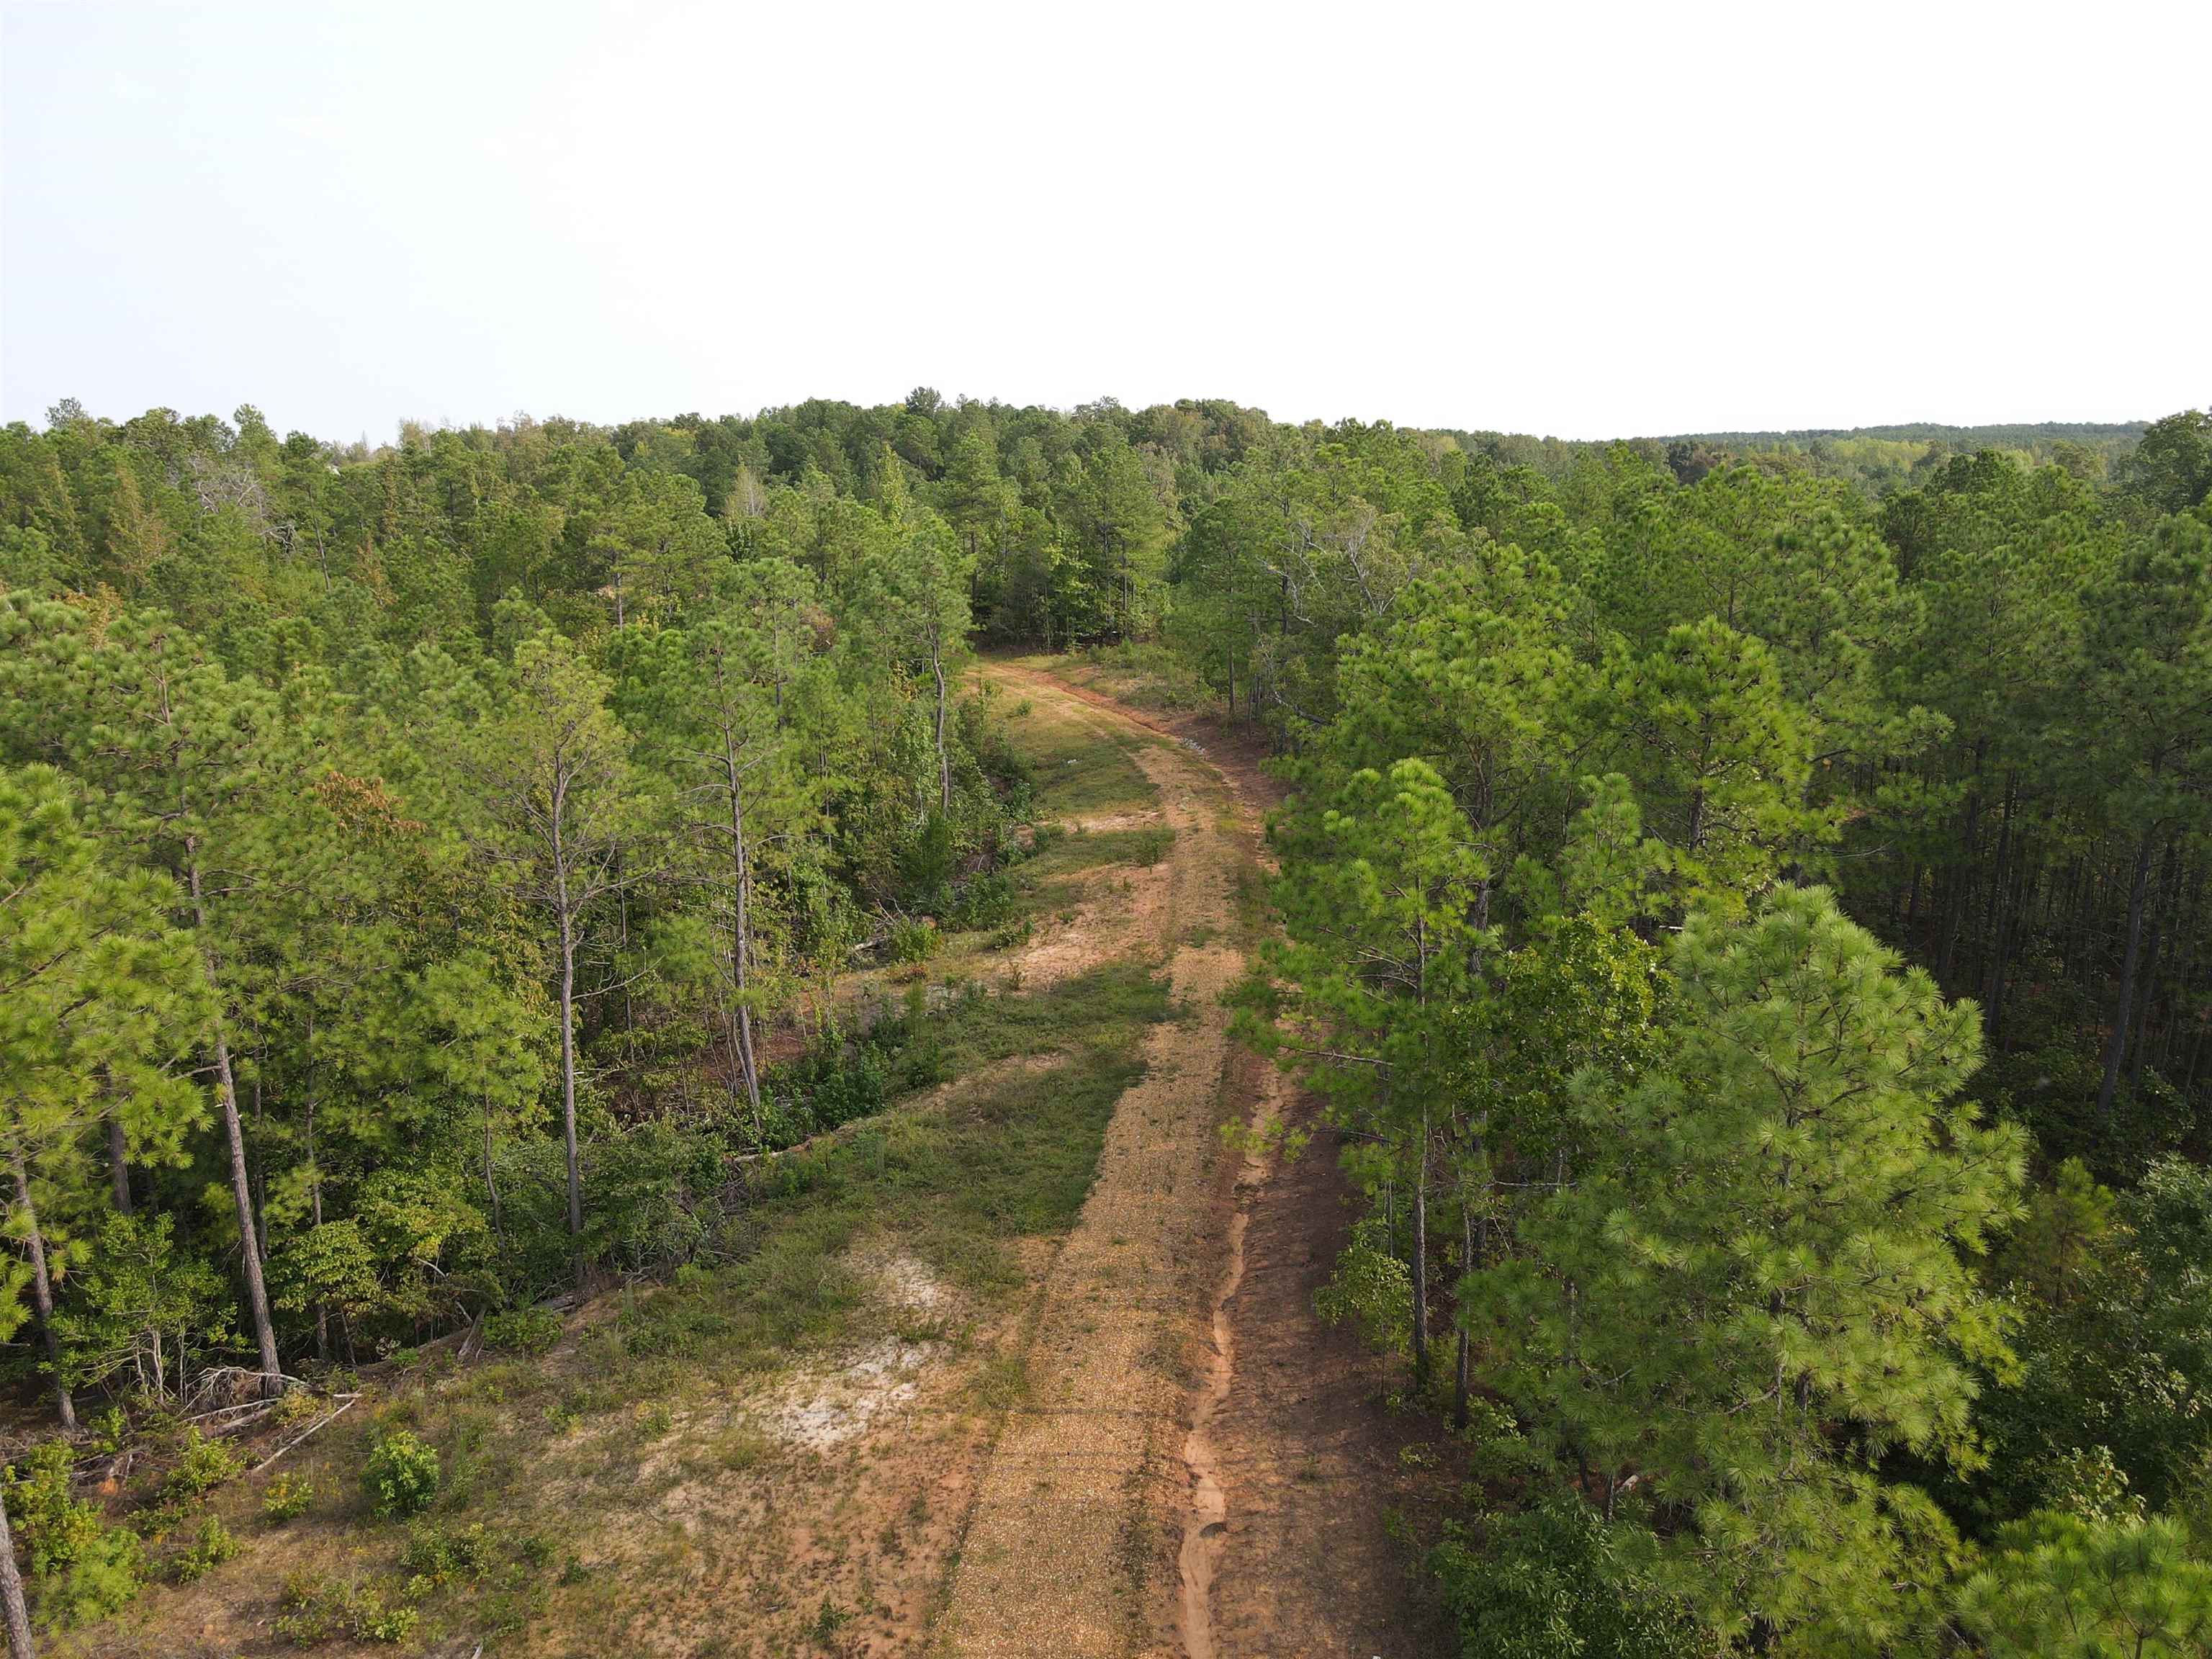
[
  {"x": 436, "y": 1556},
  {"x": 401, "y": 1476},
  {"x": 523, "y": 1330},
  {"x": 202, "y": 1467},
  {"x": 1551, "y": 1582},
  {"x": 914, "y": 939},
  {"x": 82, "y": 1568},
  {"x": 214, "y": 1546},
  {"x": 987, "y": 901},
  {"x": 1370, "y": 1287},
  {"x": 111, "y": 1427},
  {"x": 320, "y": 1610},
  {"x": 657, "y": 1203},
  {"x": 926, "y": 861},
  {"x": 1151, "y": 845},
  {"x": 287, "y": 1499},
  {"x": 832, "y": 1083}
]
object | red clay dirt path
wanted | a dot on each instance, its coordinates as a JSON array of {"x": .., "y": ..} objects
[{"x": 1204, "y": 1471}]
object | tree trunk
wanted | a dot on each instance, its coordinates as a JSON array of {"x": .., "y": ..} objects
[
  {"x": 225, "y": 1090},
  {"x": 20, "y": 1645},
  {"x": 119, "y": 1164},
  {"x": 1999, "y": 884},
  {"x": 1421, "y": 1257},
  {"x": 741, "y": 947},
  {"x": 2148, "y": 997},
  {"x": 2116, "y": 1044},
  {"x": 569, "y": 1082},
  {"x": 42, "y": 1295},
  {"x": 1459, "y": 1317},
  {"x": 491, "y": 1188},
  {"x": 944, "y": 755}
]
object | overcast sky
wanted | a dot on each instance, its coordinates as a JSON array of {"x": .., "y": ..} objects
[{"x": 1581, "y": 219}]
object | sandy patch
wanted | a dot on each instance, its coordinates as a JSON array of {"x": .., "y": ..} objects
[
  {"x": 1116, "y": 918},
  {"x": 824, "y": 1405}
]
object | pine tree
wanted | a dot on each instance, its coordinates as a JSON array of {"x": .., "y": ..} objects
[
  {"x": 1379, "y": 899},
  {"x": 181, "y": 754},
  {"x": 101, "y": 1003},
  {"x": 565, "y": 814},
  {"x": 724, "y": 700},
  {"x": 1765, "y": 1247}
]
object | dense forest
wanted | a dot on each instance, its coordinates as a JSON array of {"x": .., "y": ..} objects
[{"x": 1743, "y": 898}]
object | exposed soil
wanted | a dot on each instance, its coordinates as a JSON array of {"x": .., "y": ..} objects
[
  {"x": 1308, "y": 1454},
  {"x": 1061, "y": 1557},
  {"x": 1201, "y": 1469}
]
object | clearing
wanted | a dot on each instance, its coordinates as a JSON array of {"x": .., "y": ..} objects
[{"x": 1026, "y": 1364}]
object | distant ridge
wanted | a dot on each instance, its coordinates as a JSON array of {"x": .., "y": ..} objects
[{"x": 2016, "y": 436}]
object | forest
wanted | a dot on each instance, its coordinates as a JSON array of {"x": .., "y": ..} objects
[{"x": 1743, "y": 899}]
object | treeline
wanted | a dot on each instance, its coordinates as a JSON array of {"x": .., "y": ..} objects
[
  {"x": 1752, "y": 936},
  {"x": 416, "y": 872}
]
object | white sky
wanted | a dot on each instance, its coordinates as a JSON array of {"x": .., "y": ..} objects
[{"x": 1576, "y": 218}]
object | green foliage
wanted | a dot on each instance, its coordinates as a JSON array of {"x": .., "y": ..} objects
[
  {"x": 210, "y": 1548},
  {"x": 985, "y": 900},
  {"x": 2115, "y": 1350},
  {"x": 657, "y": 1202},
  {"x": 201, "y": 1465},
  {"x": 1556, "y": 1582},
  {"x": 321, "y": 1611},
  {"x": 2066, "y": 1587},
  {"x": 288, "y": 1497},
  {"x": 1371, "y": 1288},
  {"x": 81, "y": 1568},
  {"x": 1787, "y": 1202},
  {"x": 522, "y": 1330},
  {"x": 287, "y": 730},
  {"x": 436, "y": 1555},
  {"x": 401, "y": 1476},
  {"x": 914, "y": 939},
  {"x": 145, "y": 1309}
]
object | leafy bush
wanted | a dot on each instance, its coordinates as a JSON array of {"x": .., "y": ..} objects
[
  {"x": 987, "y": 901},
  {"x": 914, "y": 939},
  {"x": 320, "y": 1610},
  {"x": 523, "y": 1330},
  {"x": 1370, "y": 1287},
  {"x": 287, "y": 1499},
  {"x": 82, "y": 1568},
  {"x": 110, "y": 1428},
  {"x": 1149, "y": 845},
  {"x": 1551, "y": 1582},
  {"x": 436, "y": 1556},
  {"x": 656, "y": 1202},
  {"x": 401, "y": 1476},
  {"x": 926, "y": 861},
  {"x": 210, "y": 1550},
  {"x": 202, "y": 1467},
  {"x": 145, "y": 1312},
  {"x": 833, "y": 1084}
]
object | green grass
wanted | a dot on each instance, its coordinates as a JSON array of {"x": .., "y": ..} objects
[
  {"x": 1049, "y": 874},
  {"x": 1080, "y": 767},
  {"x": 549, "y": 1449},
  {"x": 954, "y": 1180},
  {"x": 1106, "y": 1008}
]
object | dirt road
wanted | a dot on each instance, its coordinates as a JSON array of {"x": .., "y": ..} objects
[{"x": 1199, "y": 1470}]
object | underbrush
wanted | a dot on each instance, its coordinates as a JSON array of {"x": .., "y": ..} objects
[
  {"x": 1150, "y": 675},
  {"x": 466, "y": 1499}
]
